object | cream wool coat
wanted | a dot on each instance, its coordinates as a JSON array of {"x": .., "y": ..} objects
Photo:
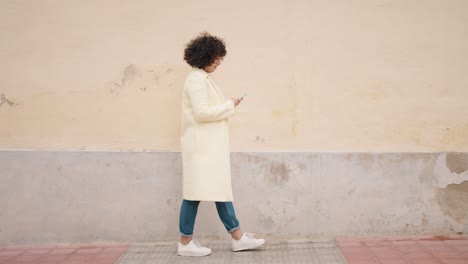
[{"x": 205, "y": 140}]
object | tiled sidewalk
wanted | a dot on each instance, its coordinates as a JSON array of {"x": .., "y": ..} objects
[
  {"x": 355, "y": 250},
  {"x": 73, "y": 254},
  {"x": 405, "y": 250},
  {"x": 275, "y": 251}
]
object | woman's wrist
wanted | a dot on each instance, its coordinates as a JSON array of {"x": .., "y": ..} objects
[{"x": 231, "y": 103}]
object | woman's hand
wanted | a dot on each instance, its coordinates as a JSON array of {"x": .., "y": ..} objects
[{"x": 236, "y": 101}]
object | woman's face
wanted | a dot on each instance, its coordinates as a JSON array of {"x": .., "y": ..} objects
[{"x": 214, "y": 65}]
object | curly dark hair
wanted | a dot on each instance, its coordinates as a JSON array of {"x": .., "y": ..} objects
[{"x": 204, "y": 50}]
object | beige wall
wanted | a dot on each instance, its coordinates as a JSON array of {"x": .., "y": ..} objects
[{"x": 360, "y": 75}]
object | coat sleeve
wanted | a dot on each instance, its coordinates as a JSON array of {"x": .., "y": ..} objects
[{"x": 198, "y": 94}]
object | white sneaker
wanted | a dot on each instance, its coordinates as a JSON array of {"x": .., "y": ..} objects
[
  {"x": 247, "y": 241},
  {"x": 193, "y": 249}
]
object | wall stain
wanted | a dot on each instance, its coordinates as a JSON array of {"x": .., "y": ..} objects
[
  {"x": 156, "y": 79},
  {"x": 294, "y": 124},
  {"x": 438, "y": 238},
  {"x": 352, "y": 190},
  {"x": 172, "y": 204},
  {"x": 453, "y": 136},
  {"x": 148, "y": 78},
  {"x": 276, "y": 113},
  {"x": 374, "y": 91},
  {"x": 130, "y": 73},
  {"x": 427, "y": 173},
  {"x": 368, "y": 161},
  {"x": 259, "y": 139},
  {"x": 452, "y": 201},
  {"x": 255, "y": 158},
  {"x": 457, "y": 162},
  {"x": 415, "y": 135},
  {"x": 279, "y": 173},
  {"x": 293, "y": 114},
  {"x": 266, "y": 222},
  {"x": 5, "y": 100},
  {"x": 424, "y": 220}
]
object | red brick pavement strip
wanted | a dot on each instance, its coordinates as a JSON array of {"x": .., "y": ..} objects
[
  {"x": 63, "y": 254},
  {"x": 405, "y": 250}
]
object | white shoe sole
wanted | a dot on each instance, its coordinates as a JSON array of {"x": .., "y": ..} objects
[
  {"x": 247, "y": 247},
  {"x": 193, "y": 254}
]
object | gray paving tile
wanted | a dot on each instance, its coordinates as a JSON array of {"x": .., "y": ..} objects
[{"x": 280, "y": 251}]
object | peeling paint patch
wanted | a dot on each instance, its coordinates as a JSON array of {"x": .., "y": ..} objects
[
  {"x": 452, "y": 201},
  {"x": 5, "y": 100},
  {"x": 450, "y": 169},
  {"x": 457, "y": 162},
  {"x": 158, "y": 80}
]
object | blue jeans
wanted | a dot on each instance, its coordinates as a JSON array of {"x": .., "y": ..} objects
[{"x": 188, "y": 213}]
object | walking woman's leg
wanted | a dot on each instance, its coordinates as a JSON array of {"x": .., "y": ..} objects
[
  {"x": 228, "y": 217},
  {"x": 188, "y": 213},
  {"x": 240, "y": 241}
]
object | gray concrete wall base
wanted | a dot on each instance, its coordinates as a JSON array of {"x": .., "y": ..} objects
[{"x": 87, "y": 197}]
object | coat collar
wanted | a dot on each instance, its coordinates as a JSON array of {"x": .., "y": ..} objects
[
  {"x": 211, "y": 81},
  {"x": 201, "y": 71}
]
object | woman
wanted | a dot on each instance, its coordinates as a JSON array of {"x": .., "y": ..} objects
[{"x": 205, "y": 147}]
